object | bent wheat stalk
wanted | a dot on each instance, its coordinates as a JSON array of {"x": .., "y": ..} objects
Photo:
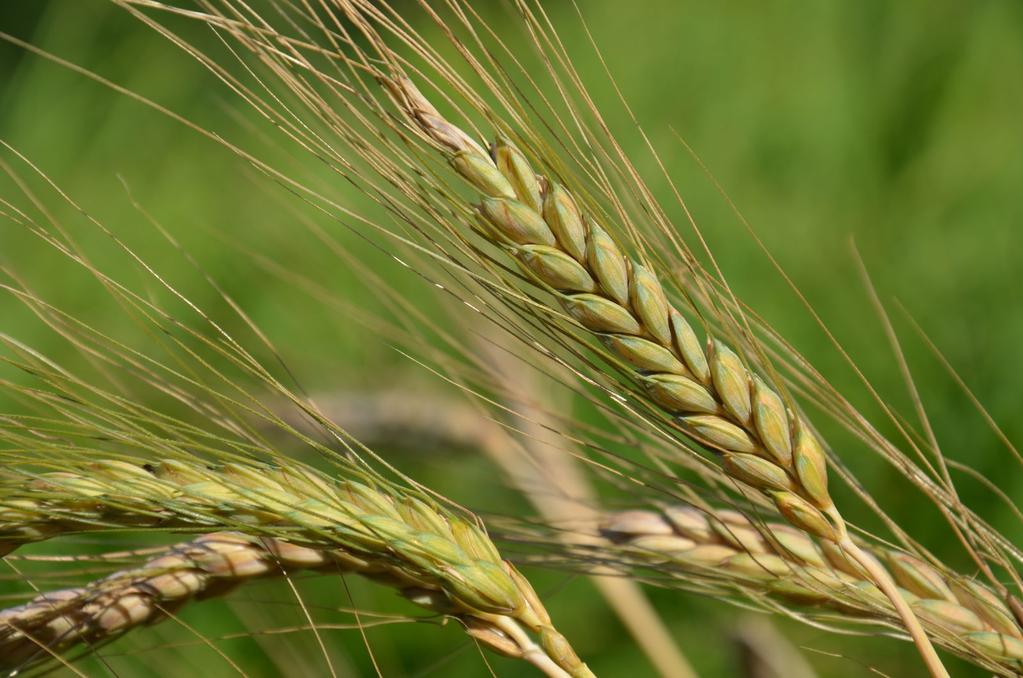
[
  {"x": 720, "y": 403},
  {"x": 963, "y": 615},
  {"x": 436, "y": 558}
]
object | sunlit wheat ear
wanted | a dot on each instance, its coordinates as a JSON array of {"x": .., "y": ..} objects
[
  {"x": 436, "y": 558},
  {"x": 724, "y": 546},
  {"x": 721, "y": 404}
]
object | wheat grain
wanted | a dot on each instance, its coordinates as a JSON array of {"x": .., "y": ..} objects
[
  {"x": 961, "y": 614},
  {"x": 720, "y": 403},
  {"x": 376, "y": 530}
]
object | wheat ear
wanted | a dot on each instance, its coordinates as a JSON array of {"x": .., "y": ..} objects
[
  {"x": 379, "y": 531},
  {"x": 212, "y": 565},
  {"x": 720, "y": 403},
  {"x": 209, "y": 566},
  {"x": 963, "y": 615}
]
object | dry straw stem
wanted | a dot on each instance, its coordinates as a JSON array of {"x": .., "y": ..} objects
[
  {"x": 545, "y": 468},
  {"x": 438, "y": 559},
  {"x": 961, "y": 614},
  {"x": 402, "y": 418},
  {"x": 765, "y": 652},
  {"x": 706, "y": 386}
]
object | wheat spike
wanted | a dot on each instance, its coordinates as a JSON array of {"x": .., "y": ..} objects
[
  {"x": 707, "y": 387},
  {"x": 720, "y": 403},
  {"x": 212, "y": 565},
  {"x": 406, "y": 541},
  {"x": 961, "y": 614}
]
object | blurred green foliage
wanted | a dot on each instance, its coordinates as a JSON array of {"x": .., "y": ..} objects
[{"x": 892, "y": 126}]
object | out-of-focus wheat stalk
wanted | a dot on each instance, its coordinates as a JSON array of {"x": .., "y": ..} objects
[
  {"x": 549, "y": 474},
  {"x": 766, "y": 652}
]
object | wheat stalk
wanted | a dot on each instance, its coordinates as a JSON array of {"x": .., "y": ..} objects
[
  {"x": 719, "y": 402},
  {"x": 439, "y": 559},
  {"x": 963, "y": 615}
]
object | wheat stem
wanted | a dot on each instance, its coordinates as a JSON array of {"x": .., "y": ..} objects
[
  {"x": 549, "y": 475},
  {"x": 531, "y": 652},
  {"x": 887, "y": 585},
  {"x": 719, "y": 402},
  {"x": 884, "y": 581}
]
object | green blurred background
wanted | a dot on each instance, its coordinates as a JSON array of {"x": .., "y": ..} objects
[{"x": 897, "y": 126}]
